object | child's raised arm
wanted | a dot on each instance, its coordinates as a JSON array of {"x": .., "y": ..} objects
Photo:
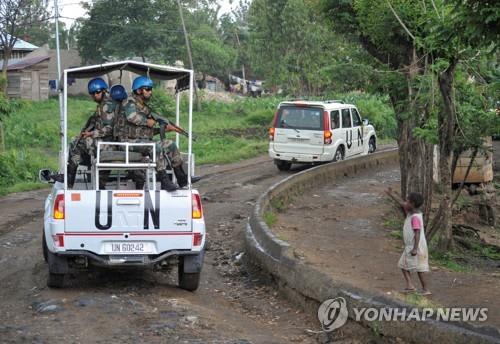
[{"x": 399, "y": 201}]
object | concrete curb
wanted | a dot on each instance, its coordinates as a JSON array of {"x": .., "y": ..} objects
[{"x": 309, "y": 286}]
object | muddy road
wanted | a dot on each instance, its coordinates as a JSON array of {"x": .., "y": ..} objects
[{"x": 234, "y": 304}]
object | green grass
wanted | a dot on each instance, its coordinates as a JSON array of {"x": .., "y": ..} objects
[
  {"x": 270, "y": 219},
  {"x": 485, "y": 251},
  {"x": 396, "y": 224},
  {"x": 23, "y": 186},
  {"x": 449, "y": 261},
  {"x": 398, "y": 234},
  {"x": 417, "y": 300}
]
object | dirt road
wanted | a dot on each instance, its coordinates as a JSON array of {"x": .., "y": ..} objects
[{"x": 234, "y": 303}]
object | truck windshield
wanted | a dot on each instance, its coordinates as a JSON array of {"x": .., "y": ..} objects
[{"x": 297, "y": 117}]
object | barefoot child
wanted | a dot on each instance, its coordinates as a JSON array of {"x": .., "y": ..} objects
[{"x": 415, "y": 254}]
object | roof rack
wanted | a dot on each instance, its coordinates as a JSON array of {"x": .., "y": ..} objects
[
  {"x": 297, "y": 100},
  {"x": 334, "y": 101}
]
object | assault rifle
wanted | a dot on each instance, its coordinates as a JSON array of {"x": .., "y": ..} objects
[
  {"x": 163, "y": 122},
  {"x": 89, "y": 125}
]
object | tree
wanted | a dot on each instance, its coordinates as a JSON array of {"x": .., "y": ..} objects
[
  {"x": 375, "y": 27},
  {"x": 423, "y": 43},
  {"x": 290, "y": 46},
  {"x": 125, "y": 29},
  {"x": 16, "y": 16}
]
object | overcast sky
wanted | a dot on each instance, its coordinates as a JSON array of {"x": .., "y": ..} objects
[{"x": 73, "y": 9}]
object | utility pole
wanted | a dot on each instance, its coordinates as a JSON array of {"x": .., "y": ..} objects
[
  {"x": 62, "y": 158},
  {"x": 188, "y": 47},
  {"x": 242, "y": 64}
]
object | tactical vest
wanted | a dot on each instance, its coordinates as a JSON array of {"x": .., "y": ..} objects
[
  {"x": 125, "y": 130},
  {"x": 99, "y": 122}
]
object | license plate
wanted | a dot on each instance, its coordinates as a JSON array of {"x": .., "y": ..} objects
[{"x": 118, "y": 247}]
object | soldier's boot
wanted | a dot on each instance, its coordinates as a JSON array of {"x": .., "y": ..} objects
[
  {"x": 71, "y": 174},
  {"x": 103, "y": 178},
  {"x": 181, "y": 176},
  {"x": 139, "y": 184},
  {"x": 166, "y": 183}
]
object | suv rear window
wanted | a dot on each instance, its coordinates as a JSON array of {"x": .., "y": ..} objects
[{"x": 298, "y": 117}]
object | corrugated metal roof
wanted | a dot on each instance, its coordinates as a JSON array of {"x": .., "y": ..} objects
[
  {"x": 22, "y": 45},
  {"x": 27, "y": 62}
]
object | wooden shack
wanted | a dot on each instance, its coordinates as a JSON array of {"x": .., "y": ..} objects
[
  {"x": 482, "y": 167},
  {"x": 29, "y": 78}
]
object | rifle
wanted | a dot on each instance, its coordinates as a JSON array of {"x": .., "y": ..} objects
[
  {"x": 163, "y": 122},
  {"x": 90, "y": 124}
]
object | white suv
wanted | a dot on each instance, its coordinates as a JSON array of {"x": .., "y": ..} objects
[{"x": 318, "y": 131}]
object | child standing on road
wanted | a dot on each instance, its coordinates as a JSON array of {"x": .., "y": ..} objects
[{"x": 415, "y": 255}]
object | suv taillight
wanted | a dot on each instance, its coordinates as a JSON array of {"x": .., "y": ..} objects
[
  {"x": 327, "y": 134},
  {"x": 59, "y": 207},
  {"x": 271, "y": 134},
  {"x": 272, "y": 130},
  {"x": 327, "y": 137},
  {"x": 197, "y": 211}
]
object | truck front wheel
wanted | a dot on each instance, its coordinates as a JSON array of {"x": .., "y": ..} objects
[{"x": 45, "y": 249}]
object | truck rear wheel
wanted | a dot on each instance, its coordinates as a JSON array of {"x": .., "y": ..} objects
[
  {"x": 283, "y": 165},
  {"x": 55, "y": 280},
  {"x": 58, "y": 268},
  {"x": 187, "y": 281}
]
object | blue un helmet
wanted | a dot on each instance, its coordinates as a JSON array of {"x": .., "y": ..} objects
[
  {"x": 140, "y": 82},
  {"x": 118, "y": 93},
  {"x": 96, "y": 85}
]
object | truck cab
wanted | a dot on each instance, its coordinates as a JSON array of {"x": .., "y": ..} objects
[
  {"x": 318, "y": 131},
  {"x": 122, "y": 227}
]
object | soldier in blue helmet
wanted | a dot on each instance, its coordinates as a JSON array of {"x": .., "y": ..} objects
[
  {"x": 118, "y": 93},
  {"x": 135, "y": 124},
  {"x": 99, "y": 127}
]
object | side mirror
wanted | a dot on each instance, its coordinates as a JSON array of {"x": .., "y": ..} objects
[
  {"x": 366, "y": 121},
  {"x": 45, "y": 176}
]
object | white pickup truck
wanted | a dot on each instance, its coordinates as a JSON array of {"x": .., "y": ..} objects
[
  {"x": 122, "y": 226},
  {"x": 318, "y": 131}
]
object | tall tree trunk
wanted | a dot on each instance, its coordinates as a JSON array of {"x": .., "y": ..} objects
[
  {"x": 415, "y": 155},
  {"x": 6, "y": 56},
  {"x": 446, "y": 124}
]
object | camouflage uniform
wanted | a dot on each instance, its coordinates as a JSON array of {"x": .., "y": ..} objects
[
  {"x": 131, "y": 126},
  {"x": 86, "y": 148}
]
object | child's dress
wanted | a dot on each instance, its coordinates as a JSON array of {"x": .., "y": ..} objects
[{"x": 419, "y": 262}]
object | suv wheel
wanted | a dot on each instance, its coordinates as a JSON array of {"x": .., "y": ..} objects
[
  {"x": 372, "y": 146},
  {"x": 339, "y": 154},
  {"x": 283, "y": 165}
]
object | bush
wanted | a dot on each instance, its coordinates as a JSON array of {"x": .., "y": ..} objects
[{"x": 21, "y": 166}]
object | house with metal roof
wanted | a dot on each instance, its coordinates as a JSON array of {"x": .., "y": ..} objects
[
  {"x": 19, "y": 51},
  {"x": 29, "y": 78}
]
